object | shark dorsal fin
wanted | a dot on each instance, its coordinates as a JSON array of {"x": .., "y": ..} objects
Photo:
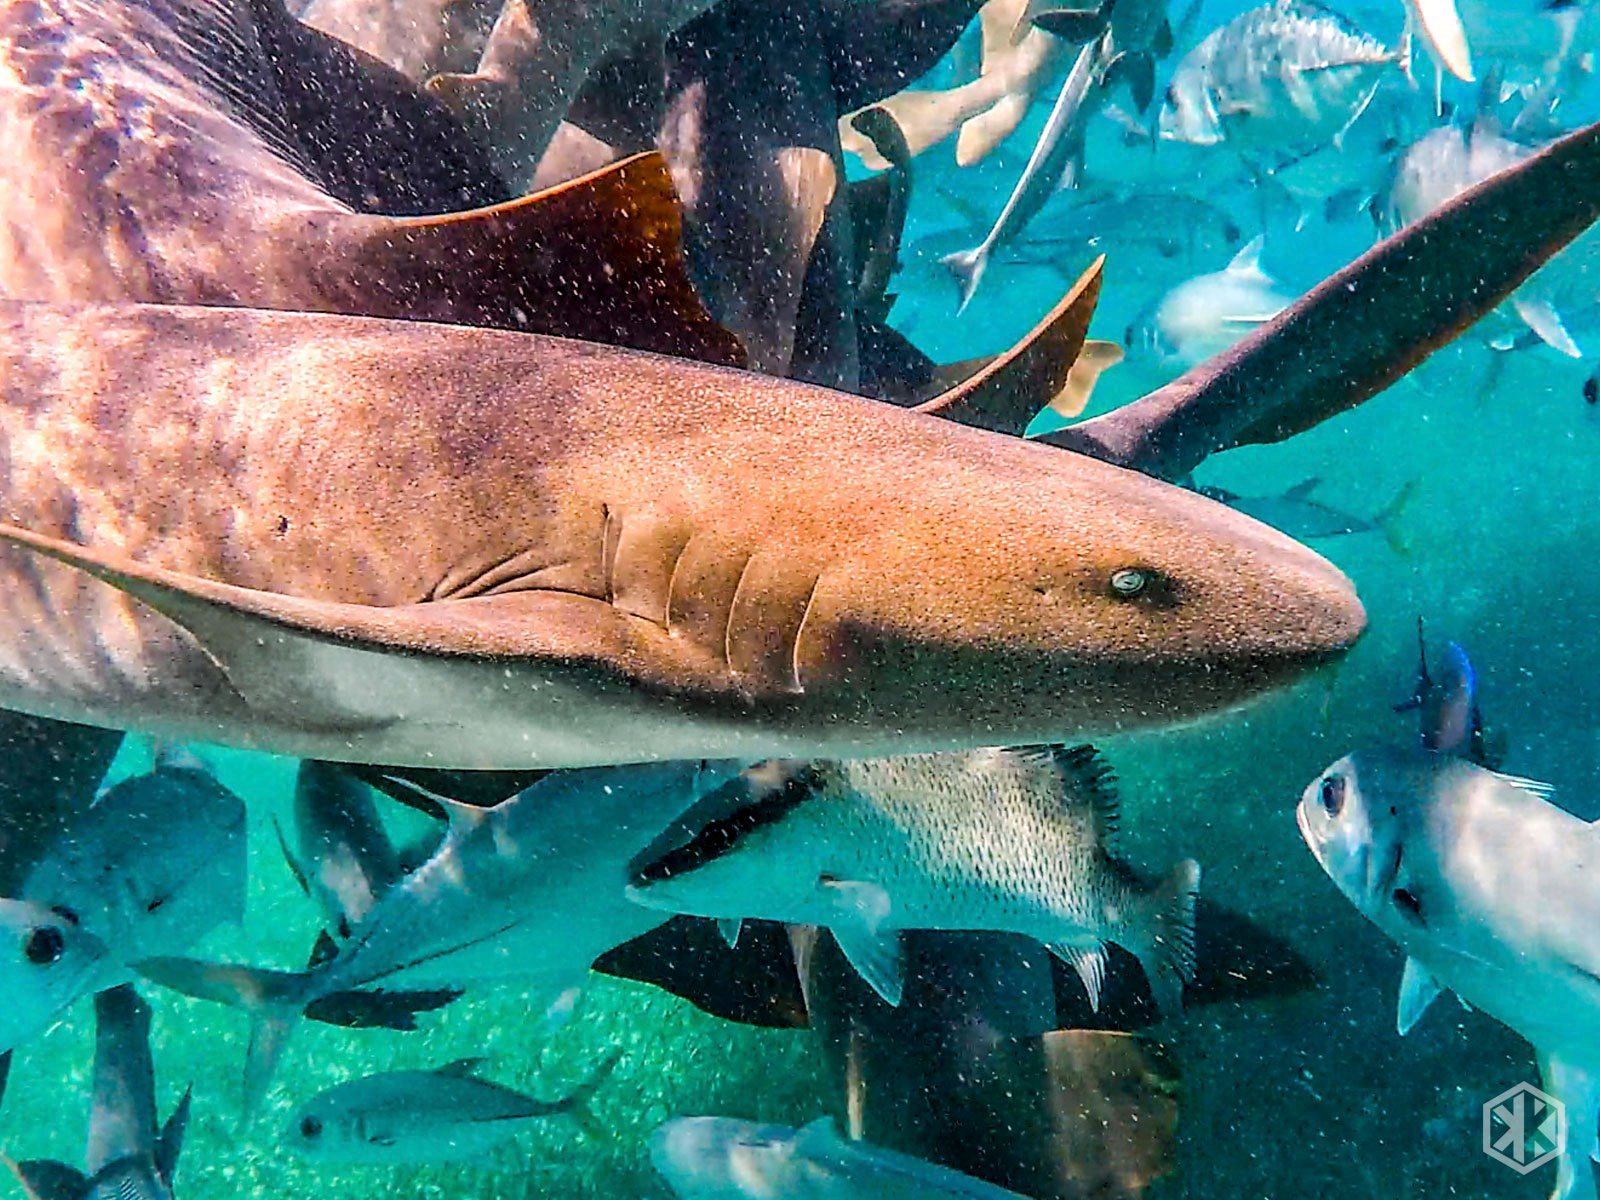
[
  {"x": 1008, "y": 391},
  {"x": 462, "y": 1068}
]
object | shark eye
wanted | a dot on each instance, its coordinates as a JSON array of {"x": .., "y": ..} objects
[
  {"x": 44, "y": 946},
  {"x": 1332, "y": 795},
  {"x": 310, "y": 1127},
  {"x": 1129, "y": 582}
]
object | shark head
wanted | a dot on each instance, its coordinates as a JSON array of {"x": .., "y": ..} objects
[{"x": 1063, "y": 596}]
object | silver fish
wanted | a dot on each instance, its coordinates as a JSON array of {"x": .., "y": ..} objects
[
  {"x": 1490, "y": 890},
  {"x": 719, "y": 1158},
  {"x": 530, "y": 890},
  {"x": 1299, "y": 514},
  {"x": 129, "y": 1158},
  {"x": 346, "y": 860},
  {"x": 1278, "y": 82},
  {"x": 444, "y": 1115},
  {"x": 1059, "y": 141},
  {"x": 1012, "y": 841},
  {"x": 1449, "y": 160},
  {"x": 1203, "y": 316},
  {"x": 153, "y": 865}
]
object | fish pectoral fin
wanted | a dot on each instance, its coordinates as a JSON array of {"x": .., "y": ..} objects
[
  {"x": 1418, "y": 988},
  {"x": 866, "y": 904},
  {"x": 1544, "y": 791},
  {"x": 730, "y": 928},
  {"x": 1541, "y": 316},
  {"x": 1090, "y": 964},
  {"x": 341, "y": 667},
  {"x": 46, "y": 1179},
  {"x": 876, "y": 957}
]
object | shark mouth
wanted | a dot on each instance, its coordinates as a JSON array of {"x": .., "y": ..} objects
[{"x": 761, "y": 797}]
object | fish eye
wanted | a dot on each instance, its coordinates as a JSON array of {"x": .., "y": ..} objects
[
  {"x": 1129, "y": 582},
  {"x": 310, "y": 1127},
  {"x": 1332, "y": 795},
  {"x": 44, "y": 945}
]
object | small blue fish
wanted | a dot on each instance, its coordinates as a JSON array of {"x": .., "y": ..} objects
[{"x": 1446, "y": 701}]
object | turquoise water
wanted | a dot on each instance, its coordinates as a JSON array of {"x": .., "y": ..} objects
[{"x": 1296, "y": 1095}]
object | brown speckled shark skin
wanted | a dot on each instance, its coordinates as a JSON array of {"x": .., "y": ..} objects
[
  {"x": 465, "y": 548},
  {"x": 154, "y": 159}
]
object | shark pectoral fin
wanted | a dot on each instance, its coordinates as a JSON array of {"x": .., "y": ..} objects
[
  {"x": 730, "y": 928},
  {"x": 1417, "y": 990},
  {"x": 876, "y": 957},
  {"x": 1577, "y": 1088},
  {"x": 1541, "y": 316},
  {"x": 599, "y": 258},
  {"x": 1090, "y": 964},
  {"x": 1095, "y": 359},
  {"x": 1008, "y": 392},
  {"x": 46, "y": 1179},
  {"x": 340, "y": 667}
]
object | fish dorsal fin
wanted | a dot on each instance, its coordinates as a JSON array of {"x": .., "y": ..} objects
[
  {"x": 1087, "y": 782},
  {"x": 175, "y": 756},
  {"x": 170, "y": 1144},
  {"x": 1418, "y": 988},
  {"x": 1544, "y": 791},
  {"x": 1010, "y": 389},
  {"x": 46, "y": 1179},
  {"x": 598, "y": 258},
  {"x": 1303, "y": 489},
  {"x": 462, "y": 1068},
  {"x": 1247, "y": 262},
  {"x": 324, "y": 950}
]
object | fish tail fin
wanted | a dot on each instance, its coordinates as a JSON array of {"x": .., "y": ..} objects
[
  {"x": 1165, "y": 944},
  {"x": 1390, "y": 520},
  {"x": 274, "y": 1000},
  {"x": 968, "y": 267},
  {"x": 577, "y": 1104}
]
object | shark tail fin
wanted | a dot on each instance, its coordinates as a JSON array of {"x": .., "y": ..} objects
[
  {"x": 1165, "y": 939},
  {"x": 1390, "y": 519},
  {"x": 275, "y": 1001},
  {"x": 968, "y": 267}
]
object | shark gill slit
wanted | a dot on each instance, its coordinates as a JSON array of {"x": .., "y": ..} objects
[
  {"x": 672, "y": 582},
  {"x": 800, "y": 634},
  {"x": 733, "y": 607},
  {"x": 610, "y": 538}
]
